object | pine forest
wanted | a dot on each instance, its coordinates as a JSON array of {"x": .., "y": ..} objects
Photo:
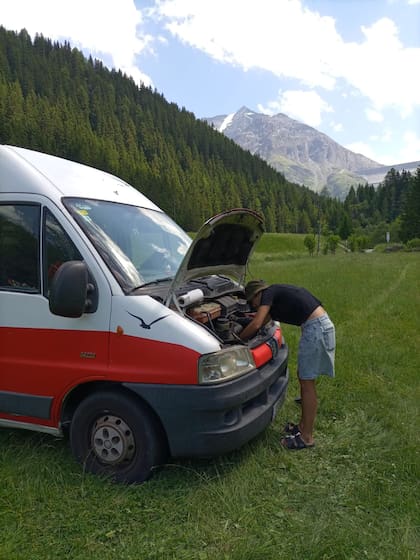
[{"x": 55, "y": 100}]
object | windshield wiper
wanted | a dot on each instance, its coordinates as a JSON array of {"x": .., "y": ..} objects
[{"x": 157, "y": 281}]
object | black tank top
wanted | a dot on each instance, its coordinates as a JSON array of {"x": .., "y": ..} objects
[{"x": 289, "y": 304}]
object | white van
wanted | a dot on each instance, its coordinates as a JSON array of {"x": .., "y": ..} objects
[{"x": 117, "y": 329}]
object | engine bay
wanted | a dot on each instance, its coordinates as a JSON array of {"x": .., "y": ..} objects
[{"x": 219, "y": 304}]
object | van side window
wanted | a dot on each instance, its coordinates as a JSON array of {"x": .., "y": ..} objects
[
  {"x": 19, "y": 247},
  {"x": 58, "y": 248}
]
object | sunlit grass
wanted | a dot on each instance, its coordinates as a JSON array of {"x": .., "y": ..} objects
[{"x": 355, "y": 495}]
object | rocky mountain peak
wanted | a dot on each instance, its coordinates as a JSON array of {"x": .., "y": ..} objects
[{"x": 303, "y": 154}]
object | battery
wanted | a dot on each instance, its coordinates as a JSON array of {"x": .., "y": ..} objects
[{"x": 205, "y": 312}]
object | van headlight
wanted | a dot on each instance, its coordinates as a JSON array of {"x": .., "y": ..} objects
[{"x": 225, "y": 364}]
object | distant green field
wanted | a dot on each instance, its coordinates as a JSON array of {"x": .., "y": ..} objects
[
  {"x": 285, "y": 246},
  {"x": 281, "y": 244},
  {"x": 355, "y": 495}
]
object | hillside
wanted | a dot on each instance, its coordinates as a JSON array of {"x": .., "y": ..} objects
[{"x": 55, "y": 100}]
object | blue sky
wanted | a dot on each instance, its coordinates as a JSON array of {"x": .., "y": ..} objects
[{"x": 349, "y": 68}]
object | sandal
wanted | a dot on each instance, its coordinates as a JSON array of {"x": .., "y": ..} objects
[
  {"x": 295, "y": 443},
  {"x": 291, "y": 429}
]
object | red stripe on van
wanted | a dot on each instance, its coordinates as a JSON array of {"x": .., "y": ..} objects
[
  {"x": 150, "y": 361},
  {"x": 49, "y": 362}
]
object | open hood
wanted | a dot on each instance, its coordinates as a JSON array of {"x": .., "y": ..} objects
[{"x": 222, "y": 246}]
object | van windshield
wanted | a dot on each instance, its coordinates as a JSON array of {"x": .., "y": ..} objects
[{"x": 138, "y": 245}]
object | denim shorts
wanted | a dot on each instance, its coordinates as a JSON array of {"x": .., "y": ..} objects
[{"x": 316, "y": 351}]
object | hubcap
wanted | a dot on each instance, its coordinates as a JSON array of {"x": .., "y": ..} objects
[{"x": 112, "y": 440}]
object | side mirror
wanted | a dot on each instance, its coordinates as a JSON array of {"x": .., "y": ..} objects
[{"x": 69, "y": 290}]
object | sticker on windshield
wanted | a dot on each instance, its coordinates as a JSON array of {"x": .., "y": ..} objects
[{"x": 83, "y": 209}]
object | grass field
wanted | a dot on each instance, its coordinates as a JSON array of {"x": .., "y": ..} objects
[{"x": 355, "y": 495}]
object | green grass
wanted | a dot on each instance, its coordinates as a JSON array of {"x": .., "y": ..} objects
[
  {"x": 280, "y": 246},
  {"x": 285, "y": 246},
  {"x": 355, "y": 495}
]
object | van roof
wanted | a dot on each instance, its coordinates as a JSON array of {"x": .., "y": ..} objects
[{"x": 28, "y": 171}]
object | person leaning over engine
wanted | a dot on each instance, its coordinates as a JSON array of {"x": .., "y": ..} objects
[{"x": 316, "y": 353}]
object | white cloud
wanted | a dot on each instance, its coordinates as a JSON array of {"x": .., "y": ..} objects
[
  {"x": 382, "y": 149},
  {"x": 270, "y": 35},
  {"x": 289, "y": 40},
  {"x": 373, "y": 115},
  {"x": 106, "y": 28},
  {"x": 337, "y": 127},
  {"x": 282, "y": 37},
  {"x": 364, "y": 149},
  {"x": 410, "y": 150},
  {"x": 374, "y": 66},
  {"x": 305, "y": 106},
  {"x": 386, "y": 136}
]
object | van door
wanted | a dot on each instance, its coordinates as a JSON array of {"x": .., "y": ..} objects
[{"x": 42, "y": 356}]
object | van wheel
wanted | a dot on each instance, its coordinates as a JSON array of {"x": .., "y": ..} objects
[{"x": 114, "y": 435}]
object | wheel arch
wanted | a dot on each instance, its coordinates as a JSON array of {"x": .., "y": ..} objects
[{"x": 77, "y": 395}]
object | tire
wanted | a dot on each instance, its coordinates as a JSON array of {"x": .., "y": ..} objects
[{"x": 114, "y": 435}]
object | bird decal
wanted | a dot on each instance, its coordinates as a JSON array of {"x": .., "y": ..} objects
[{"x": 145, "y": 325}]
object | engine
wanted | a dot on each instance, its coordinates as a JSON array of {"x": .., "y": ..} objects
[
  {"x": 225, "y": 316},
  {"x": 218, "y": 304}
]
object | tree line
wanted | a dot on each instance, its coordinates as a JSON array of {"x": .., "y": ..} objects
[
  {"x": 54, "y": 99},
  {"x": 393, "y": 207}
]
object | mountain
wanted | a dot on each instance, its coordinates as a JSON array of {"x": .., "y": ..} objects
[{"x": 304, "y": 155}]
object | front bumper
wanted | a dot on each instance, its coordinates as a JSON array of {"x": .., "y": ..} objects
[{"x": 202, "y": 420}]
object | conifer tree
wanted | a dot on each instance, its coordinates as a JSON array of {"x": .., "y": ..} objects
[{"x": 410, "y": 218}]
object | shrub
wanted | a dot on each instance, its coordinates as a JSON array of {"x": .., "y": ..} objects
[
  {"x": 309, "y": 243},
  {"x": 358, "y": 243},
  {"x": 353, "y": 244},
  {"x": 332, "y": 242},
  {"x": 413, "y": 244}
]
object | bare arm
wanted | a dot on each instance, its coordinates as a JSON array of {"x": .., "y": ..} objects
[{"x": 256, "y": 323}]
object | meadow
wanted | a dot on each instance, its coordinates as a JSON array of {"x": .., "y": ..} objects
[{"x": 355, "y": 495}]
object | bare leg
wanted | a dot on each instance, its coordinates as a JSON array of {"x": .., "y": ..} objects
[{"x": 309, "y": 409}]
